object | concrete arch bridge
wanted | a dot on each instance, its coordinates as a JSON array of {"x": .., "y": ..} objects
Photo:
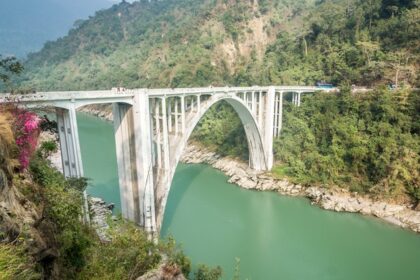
[{"x": 152, "y": 127}]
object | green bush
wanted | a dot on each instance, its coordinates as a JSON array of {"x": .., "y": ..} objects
[
  {"x": 206, "y": 273},
  {"x": 47, "y": 148},
  {"x": 129, "y": 255}
]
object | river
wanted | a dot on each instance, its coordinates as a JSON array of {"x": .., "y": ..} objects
[{"x": 272, "y": 236}]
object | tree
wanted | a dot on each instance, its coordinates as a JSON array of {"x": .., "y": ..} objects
[
  {"x": 372, "y": 9},
  {"x": 399, "y": 62},
  {"x": 368, "y": 48},
  {"x": 9, "y": 66}
]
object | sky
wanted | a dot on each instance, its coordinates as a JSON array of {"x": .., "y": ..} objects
[{"x": 25, "y": 25}]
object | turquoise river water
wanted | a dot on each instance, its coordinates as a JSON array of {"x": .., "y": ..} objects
[{"x": 273, "y": 236}]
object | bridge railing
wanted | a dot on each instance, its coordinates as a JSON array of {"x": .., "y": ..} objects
[{"x": 159, "y": 92}]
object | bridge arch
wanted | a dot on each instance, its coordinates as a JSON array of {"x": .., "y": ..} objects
[
  {"x": 144, "y": 183},
  {"x": 257, "y": 159}
]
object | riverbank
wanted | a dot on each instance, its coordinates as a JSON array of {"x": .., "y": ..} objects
[
  {"x": 338, "y": 200},
  {"x": 102, "y": 111}
]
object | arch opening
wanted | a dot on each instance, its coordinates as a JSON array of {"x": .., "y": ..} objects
[{"x": 253, "y": 135}]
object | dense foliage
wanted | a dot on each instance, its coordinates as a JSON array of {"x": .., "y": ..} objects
[
  {"x": 177, "y": 43},
  {"x": 364, "y": 142}
]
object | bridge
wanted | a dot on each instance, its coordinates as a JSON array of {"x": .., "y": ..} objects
[{"x": 152, "y": 127}]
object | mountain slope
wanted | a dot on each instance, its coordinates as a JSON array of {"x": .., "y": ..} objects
[
  {"x": 189, "y": 42},
  {"x": 167, "y": 43}
]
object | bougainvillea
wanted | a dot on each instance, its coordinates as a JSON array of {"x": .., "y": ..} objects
[{"x": 27, "y": 130}]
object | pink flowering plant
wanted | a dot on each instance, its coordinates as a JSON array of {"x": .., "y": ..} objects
[{"x": 27, "y": 130}]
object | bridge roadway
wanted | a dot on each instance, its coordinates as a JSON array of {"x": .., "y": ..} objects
[{"x": 152, "y": 128}]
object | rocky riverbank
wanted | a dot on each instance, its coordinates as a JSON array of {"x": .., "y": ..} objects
[
  {"x": 338, "y": 200},
  {"x": 100, "y": 211},
  {"x": 103, "y": 111}
]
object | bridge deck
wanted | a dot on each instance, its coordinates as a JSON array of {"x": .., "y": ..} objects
[{"x": 110, "y": 94}]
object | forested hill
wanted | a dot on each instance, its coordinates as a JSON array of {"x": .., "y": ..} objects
[{"x": 175, "y": 43}]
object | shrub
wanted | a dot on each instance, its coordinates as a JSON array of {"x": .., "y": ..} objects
[
  {"x": 206, "y": 273},
  {"x": 129, "y": 255},
  {"x": 15, "y": 264}
]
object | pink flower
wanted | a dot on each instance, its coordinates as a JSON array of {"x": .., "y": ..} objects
[
  {"x": 27, "y": 132},
  {"x": 31, "y": 124}
]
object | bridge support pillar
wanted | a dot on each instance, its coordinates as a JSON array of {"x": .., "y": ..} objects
[
  {"x": 278, "y": 113},
  {"x": 126, "y": 161},
  {"x": 260, "y": 109},
  {"x": 183, "y": 114},
  {"x": 71, "y": 155},
  {"x": 69, "y": 142},
  {"x": 144, "y": 162},
  {"x": 134, "y": 157},
  {"x": 269, "y": 126},
  {"x": 298, "y": 98}
]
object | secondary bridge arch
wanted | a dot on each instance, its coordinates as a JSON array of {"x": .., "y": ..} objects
[
  {"x": 177, "y": 145},
  {"x": 152, "y": 127}
]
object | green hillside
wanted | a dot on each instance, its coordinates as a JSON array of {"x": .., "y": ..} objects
[{"x": 196, "y": 43}]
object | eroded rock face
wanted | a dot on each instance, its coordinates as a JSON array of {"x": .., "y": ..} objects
[
  {"x": 339, "y": 200},
  {"x": 54, "y": 158},
  {"x": 22, "y": 221}
]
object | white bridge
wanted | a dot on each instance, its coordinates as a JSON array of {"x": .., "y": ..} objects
[{"x": 152, "y": 127}]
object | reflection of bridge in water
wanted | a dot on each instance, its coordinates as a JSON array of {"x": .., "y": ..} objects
[{"x": 152, "y": 127}]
